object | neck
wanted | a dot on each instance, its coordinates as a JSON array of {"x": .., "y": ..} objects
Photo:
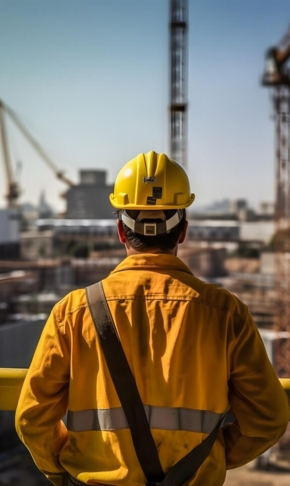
[{"x": 132, "y": 251}]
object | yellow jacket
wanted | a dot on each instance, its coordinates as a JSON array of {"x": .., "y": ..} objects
[{"x": 195, "y": 352}]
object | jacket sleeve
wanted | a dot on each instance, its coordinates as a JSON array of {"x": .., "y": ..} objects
[
  {"x": 256, "y": 397},
  {"x": 43, "y": 401}
]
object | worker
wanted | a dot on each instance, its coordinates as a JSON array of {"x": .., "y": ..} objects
[{"x": 193, "y": 348}]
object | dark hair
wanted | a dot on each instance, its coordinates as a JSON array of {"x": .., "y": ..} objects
[{"x": 165, "y": 241}]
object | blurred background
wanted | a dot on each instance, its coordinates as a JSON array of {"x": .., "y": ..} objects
[{"x": 86, "y": 85}]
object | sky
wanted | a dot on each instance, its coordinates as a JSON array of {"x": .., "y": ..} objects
[{"x": 89, "y": 79}]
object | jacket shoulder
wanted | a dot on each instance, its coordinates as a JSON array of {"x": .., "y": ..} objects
[
  {"x": 220, "y": 298},
  {"x": 71, "y": 304}
]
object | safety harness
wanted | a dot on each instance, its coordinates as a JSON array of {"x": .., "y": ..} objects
[{"x": 132, "y": 405}]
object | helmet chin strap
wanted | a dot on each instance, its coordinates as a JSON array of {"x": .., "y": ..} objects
[{"x": 154, "y": 227}]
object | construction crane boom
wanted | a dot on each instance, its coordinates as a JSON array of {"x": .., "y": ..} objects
[
  {"x": 60, "y": 174},
  {"x": 13, "y": 189}
]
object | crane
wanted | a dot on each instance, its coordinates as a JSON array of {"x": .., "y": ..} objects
[
  {"x": 276, "y": 71},
  {"x": 277, "y": 77},
  {"x": 13, "y": 189},
  {"x": 178, "y": 81},
  {"x": 13, "y": 192}
]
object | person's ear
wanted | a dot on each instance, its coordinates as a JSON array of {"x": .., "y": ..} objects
[
  {"x": 121, "y": 232},
  {"x": 184, "y": 232}
]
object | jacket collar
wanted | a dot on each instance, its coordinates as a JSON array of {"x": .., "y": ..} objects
[{"x": 153, "y": 261}]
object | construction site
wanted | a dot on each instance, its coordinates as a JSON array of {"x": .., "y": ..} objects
[{"x": 44, "y": 256}]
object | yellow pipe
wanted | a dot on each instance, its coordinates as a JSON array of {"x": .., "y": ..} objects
[{"x": 11, "y": 380}]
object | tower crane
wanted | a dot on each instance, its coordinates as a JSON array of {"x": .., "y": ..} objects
[
  {"x": 178, "y": 81},
  {"x": 13, "y": 191},
  {"x": 277, "y": 77}
]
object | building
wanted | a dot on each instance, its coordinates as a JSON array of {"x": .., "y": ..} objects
[
  {"x": 90, "y": 198},
  {"x": 9, "y": 233}
]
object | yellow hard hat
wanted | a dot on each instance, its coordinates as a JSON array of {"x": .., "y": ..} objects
[{"x": 151, "y": 182}]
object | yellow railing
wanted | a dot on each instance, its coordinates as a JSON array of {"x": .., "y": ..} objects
[{"x": 11, "y": 380}]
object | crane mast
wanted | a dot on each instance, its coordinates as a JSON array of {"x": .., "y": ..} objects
[
  {"x": 277, "y": 77},
  {"x": 178, "y": 81},
  {"x": 13, "y": 190}
]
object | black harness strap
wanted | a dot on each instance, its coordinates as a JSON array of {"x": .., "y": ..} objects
[
  {"x": 125, "y": 384},
  {"x": 132, "y": 405}
]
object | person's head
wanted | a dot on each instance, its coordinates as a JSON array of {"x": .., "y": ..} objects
[{"x": 150, "y": 194}]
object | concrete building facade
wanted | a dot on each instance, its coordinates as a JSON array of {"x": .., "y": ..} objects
[
  {"x": 90, "y": 198},
  {"x": 9, "y": 233}
]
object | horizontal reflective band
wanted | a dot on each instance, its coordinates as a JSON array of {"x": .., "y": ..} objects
[{"x": 158, "y": 417}]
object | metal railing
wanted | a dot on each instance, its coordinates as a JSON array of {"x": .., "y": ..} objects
[{"x": 11, "y": 380}]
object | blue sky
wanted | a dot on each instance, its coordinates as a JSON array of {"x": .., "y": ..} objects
[{"x": 90, "y": 81}]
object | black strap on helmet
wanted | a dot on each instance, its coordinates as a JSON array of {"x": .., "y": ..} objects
[{"x": 151, "y": 223}]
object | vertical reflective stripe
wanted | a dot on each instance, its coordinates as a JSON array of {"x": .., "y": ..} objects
[{"x": 158, "y": 417}]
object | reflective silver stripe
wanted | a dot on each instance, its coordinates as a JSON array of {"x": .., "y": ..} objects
[
  {"x": 103, "y": 419},
  {"x": 181, "y": 419},
  {"x": 158, "y": 418}
]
